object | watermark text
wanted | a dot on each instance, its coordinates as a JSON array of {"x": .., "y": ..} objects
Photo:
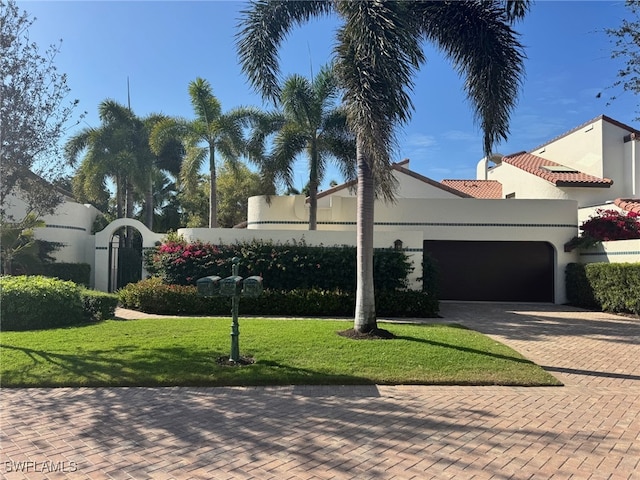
[{"x": 45, "y": 466}]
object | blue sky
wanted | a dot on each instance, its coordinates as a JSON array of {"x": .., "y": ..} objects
[{"x": 161, "y": 46}]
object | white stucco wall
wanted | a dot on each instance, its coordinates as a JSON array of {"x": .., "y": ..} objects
[
  {"x": 631, "y": 155},
  {"x": 523, "y": 184},
  {"x": 70, "y": 225},
  {"x": 581, "y": 149},
  {"x": 552, "y": 221},
  {"x": 528, "y": 186},
  {"x": 620, "y": 251}
]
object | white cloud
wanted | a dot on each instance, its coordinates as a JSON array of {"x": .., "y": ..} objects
[{"x": 460, "y": 136}]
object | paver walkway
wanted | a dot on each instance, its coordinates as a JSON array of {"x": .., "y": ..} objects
[{"x": 588, "y": 429}]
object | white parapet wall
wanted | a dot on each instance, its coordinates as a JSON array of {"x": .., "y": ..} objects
[
  {"x": 619, "y": 251},
  {"x": 551, "y": 221}
]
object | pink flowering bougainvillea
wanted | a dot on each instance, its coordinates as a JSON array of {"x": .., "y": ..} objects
[
  {"x": 606, "y": 225},
  {"x": 612, "y": 225},
  {"x": 182, "y": 263}
]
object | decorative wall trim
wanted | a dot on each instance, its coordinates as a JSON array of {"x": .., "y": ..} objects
[
  {"x": 424, "y": 224},
  {"x": 66, "y": 227},
  {"x": 607, "y": 254}
]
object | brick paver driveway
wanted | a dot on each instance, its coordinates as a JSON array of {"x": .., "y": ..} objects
[{"x": 588, "y": 429}]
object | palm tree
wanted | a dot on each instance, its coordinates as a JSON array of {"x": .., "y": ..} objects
[
  {"x": 311, "y": 124},
  {"x": 111, "y": 152},
  {"x": 378, "y": 48},
  {"x": 217, "y": 131},
  {"x": 119, "y": 151}
]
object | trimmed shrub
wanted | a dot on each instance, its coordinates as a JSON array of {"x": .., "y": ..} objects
[
  {"x": 79, "y": 273},
  {"x": 38, "y": 302},
  {"x": 98, "y": 305},
  {"x": 152, "y": 296},
  {"x": 579, "y": 290},
  {"x": 612, "y": 287},
  {"x": 286, "y": 266}
]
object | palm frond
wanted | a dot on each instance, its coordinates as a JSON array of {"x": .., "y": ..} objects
[
  {"x": 297, "y": 100},
  {"x": 194, "y": 158},
  {"x": 76, "y": 144},
  {"x": 263, "y": 27},
  {"x": 486, "y": 51},
  {"x": 205, "y": 104},
  {"x": 378, "y": 53}
]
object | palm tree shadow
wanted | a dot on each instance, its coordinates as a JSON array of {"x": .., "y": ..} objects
[{"x": 465, "y": 349}]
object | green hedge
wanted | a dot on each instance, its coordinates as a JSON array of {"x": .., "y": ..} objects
[
  {"x": 152, "y": 296},
  {"x": 79, "y": 273},
  {"x": 289, "y": 266},
  {"x": 98, "y": 305},
  {"x": 612, "y": 287},
  {"x": 39, "y": 302}
]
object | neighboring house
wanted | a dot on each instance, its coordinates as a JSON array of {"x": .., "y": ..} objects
[
  {"x": 70, "y": 225},
  {"x": 594, "y": 164}
]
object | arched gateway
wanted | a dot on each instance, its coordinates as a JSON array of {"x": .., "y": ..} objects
[{"x": 110, "y": 260}]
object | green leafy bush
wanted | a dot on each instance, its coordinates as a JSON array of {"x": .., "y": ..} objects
[
  {"x": 98, "y": 305},
  {"x": 79, "y": 273},
  {"x": 152, "y": 296},
  {"x": 37, "y": 302},
  {"x": 613, "y": 287},
  {"x": 579, "y": 290},
  {"x": 284, "y": 266}
]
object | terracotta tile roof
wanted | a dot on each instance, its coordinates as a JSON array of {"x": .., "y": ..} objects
[
  {"x": 628, "y": 204},
  {"x": 477, "y": 188},
  {"x": 399, "y": 167},
  {"x": 534, "y": 165}
]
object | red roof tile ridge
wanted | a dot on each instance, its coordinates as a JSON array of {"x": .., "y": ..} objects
[
  {"x": 476, "y": 188},
  {"x": 531, "y": 163},
  {"x": 628, "y": 204}
]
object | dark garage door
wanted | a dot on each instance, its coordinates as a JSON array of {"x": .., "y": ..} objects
[{"x": 493, "y": 271}]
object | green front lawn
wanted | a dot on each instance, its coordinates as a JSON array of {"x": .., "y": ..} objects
[{"x": 159, "y": 352}]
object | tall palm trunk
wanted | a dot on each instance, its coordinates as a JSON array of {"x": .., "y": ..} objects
[
  {"x": 148, "y": 202},
  {"x": 365, "y": 315},
  {"x": 129, "y": 214},
  {"x": 313, "y": 188},
  {"x": 213, "y": 191}
]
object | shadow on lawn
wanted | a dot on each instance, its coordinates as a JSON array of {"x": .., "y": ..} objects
[
  {"x": 466, "y": 349},
  {"x": 188, "y": 367}
]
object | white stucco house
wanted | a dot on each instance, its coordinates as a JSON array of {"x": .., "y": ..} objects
[
  {"x": 70, "y": 225},
  {"x": 499, "y": 237},
  {"x": 486, "y": 248},
  {"x": 596, "y": 164}
]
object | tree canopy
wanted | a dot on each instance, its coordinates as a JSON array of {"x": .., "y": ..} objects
[
  {"x": 626, "y": 39},
  {"x": 34, "y": 112}
]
